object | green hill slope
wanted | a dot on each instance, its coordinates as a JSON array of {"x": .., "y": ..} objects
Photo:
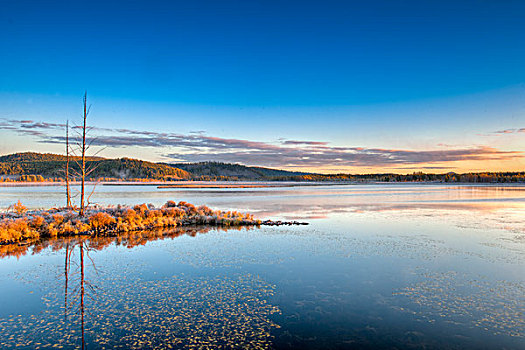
[
  {"x": 241, "y": 172},
  {"x": 53, "y": 165},
  {"x": 49, "y": 166}
]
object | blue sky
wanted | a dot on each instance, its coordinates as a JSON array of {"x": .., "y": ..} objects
[{"x": 417, "y": 76}]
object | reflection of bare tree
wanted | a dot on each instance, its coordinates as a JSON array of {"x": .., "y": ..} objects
[
  {"x": 84, "y": 288},
  {"x": 127, "y": 239},
  {"x": 82, "y": 291},
  {"x": 66, "y": 279},
  {"x": 151, "y": 313},
  {"x": 69, "y": 249},
  {"x": 77, "y": 296}
]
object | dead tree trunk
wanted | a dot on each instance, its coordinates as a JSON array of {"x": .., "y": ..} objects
[
  {"x": 83, "y": 155},
  {"x": 68, "y": 192}
]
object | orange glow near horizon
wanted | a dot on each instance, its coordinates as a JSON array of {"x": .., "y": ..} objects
[{"x": 468, "y": 166}]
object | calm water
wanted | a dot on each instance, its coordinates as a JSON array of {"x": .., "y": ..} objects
[{"x": 379, "y": 266}]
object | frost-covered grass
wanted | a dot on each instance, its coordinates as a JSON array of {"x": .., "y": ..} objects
[{"x": 21, "y": 225}]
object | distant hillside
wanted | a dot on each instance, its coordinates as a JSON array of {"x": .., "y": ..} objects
[
  {"x": 32, "y": 166},
  {"x": 53, "y": 165},
  {"x": 50, "y": 165},
  {"x": 216, "y": 170},
  {"x": 38, "y": 157}
]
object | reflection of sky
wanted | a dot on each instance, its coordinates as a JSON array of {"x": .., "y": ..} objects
[
  {"x": 386, "y": 265},
  {"x": 291, "y": 201}
]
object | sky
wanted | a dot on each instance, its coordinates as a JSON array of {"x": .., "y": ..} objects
[{"x": 322, "y": 86}]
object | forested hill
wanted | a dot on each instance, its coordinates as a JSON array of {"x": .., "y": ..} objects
[
  {"x": 32, "y": 166},
  {"x": 38, "y": 157},
  {"x": 217, "y": 171},
  {"x": 51, "y": 166}
]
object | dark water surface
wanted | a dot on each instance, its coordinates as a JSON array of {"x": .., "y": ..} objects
[{"x": 379, "y": 266}]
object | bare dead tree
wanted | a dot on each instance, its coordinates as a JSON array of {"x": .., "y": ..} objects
[
  {"x": 85, "y": 165},
  {"x": 68, "y": 192},
  {"x": 83, "y": 157}
]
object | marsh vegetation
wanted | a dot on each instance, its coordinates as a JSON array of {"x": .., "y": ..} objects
[{"x": 21, "y": 225}]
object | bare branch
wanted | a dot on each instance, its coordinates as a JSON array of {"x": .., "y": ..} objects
[
  {"x": 92, "y": 191},
  {"x": 91, "y": 141},
  {"x": 100, "y": 150}
]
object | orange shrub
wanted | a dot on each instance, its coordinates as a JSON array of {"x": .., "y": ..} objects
[
  {"x": 170, "y": 204},
  {"x": 130, "y": 214},
  {"x": 142, "y": 208},
  {"x": 38, "y": 222},
  {"x": 19, "y": 208},
  {"x": 20, "y": 225},
  {"x": 68, "y": 228},
  {"x": 58, "y": 219},
  {"x": 99, "y": 220},
  {"x": 15, "y": 230},
  {"x": 81, "y": 227}
]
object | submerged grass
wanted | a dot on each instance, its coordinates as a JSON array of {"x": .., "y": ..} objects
[{"x": 21, "y": 225}]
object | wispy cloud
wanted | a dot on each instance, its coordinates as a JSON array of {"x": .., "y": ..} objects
[
  {"x": 196, "y": 147},
  {"x": 340, "y": 156},
  {"x": 29, "y": 124},
  {"x": 509, "y": 131},
  {"x": 311, "y": 143}
]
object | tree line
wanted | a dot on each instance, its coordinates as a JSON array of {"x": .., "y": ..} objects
[{"x": 484, "y": 177}]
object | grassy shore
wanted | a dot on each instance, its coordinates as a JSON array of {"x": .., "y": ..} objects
[{"x": 21, "y": 225}]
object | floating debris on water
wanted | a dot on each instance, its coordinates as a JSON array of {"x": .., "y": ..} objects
[
  {"x": 496, "y": 306},
  {"x": 175, "y": 312}
]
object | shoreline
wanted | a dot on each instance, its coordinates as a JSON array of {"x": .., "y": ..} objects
[
  {"x": 175, "y": 183},
  {"x": 247, "y": 184},
  {"x": 21, "y": 225}
]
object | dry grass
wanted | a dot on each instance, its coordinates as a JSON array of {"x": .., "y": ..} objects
[{"x": 21, "y": 225}]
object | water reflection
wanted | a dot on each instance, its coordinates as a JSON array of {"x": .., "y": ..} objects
[
  {"x": 132, "y": 309},
  {"x": 406, "y": 267},
  {"x": 128, "y": 239},
  {"x": 264, "y": 199}
]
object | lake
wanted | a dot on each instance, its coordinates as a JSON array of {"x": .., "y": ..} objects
[{"x": 422, "y": 266}]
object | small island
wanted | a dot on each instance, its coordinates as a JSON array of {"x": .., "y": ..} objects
[{"x": 20, "y": 225}]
